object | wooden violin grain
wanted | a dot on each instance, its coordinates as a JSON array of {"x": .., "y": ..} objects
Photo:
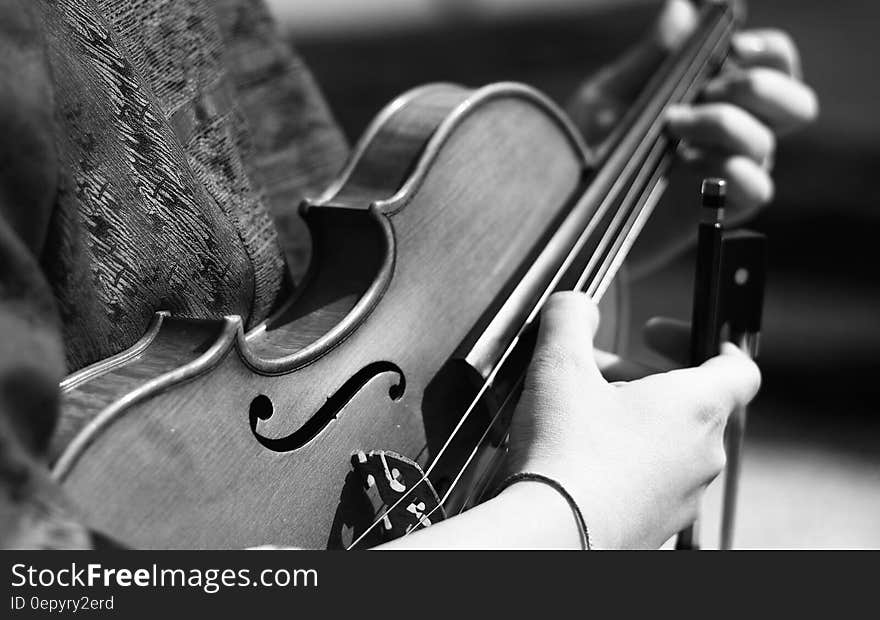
[
  {"x": 183, "y": 468},
  {"x": 459, "y": 212}
]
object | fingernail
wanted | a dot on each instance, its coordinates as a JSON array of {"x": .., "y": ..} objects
[
  {"x": 748, "y": 44},
  {"x": 677, "y": 113}
]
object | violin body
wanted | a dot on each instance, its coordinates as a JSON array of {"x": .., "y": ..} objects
[
  {"x": 376, "y": 401},
  {"x": 427, "y": 258}
]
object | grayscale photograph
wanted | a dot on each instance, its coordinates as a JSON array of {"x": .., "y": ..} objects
[{"x": 472, "y": 275}]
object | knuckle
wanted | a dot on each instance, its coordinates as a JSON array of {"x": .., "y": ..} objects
[
  {"x": 753, "y": 378},
  {"x": 770, "y": 147},
  {"x": 811, "y": 107},
  {"x": 754, "y": 186},
  {"x": 717, "y": 114},
  {"x": 727, "y": 117},
  {"x": 718, "y": 460},
  {"x": 710, "y": 121},
  {"x": 784, "y": 42},
  {"x": 763, "y": 145},
  {"x": 711, "y": 412},
  {"x": 766, "y": 189}
]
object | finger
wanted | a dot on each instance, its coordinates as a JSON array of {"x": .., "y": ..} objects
[
  {"x": 780, "y": 101},
  {"x": 624, "y": 79},
  {"x": 601, "y": 101},
  {"x": 767, "y": 48},
  {"x": 722, "y": 127},
  {"x": 570, "y": 315},
  {"x": 712, "y": 390},
  {"x": 565, "y": 335},
  {"x": 737, "y": 376},
  {"x": 677, "y": 21},
  {"x": 749, "y": 185},
  {"x": 670, "y": 338}
]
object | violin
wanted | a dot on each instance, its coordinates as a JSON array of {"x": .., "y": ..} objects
[{"x": 376, "y": 401}]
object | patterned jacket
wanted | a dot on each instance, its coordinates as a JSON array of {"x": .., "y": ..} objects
[{"x": 153, "y": 156}]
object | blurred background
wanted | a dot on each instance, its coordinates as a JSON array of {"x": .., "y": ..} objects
[{"x": 812, "y": 462}]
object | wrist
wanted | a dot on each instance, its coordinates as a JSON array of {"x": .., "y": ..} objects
[
  {"x": 603, "y": 531},
  {"x": 543, "y": 509}
]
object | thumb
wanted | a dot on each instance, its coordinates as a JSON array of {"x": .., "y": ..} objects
[{"x": 565, "y": 336}]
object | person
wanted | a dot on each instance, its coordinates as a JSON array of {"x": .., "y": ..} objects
[{"x": 152, "y": 154}]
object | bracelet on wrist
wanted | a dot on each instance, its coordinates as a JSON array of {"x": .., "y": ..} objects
[{"x": 535, "y": 477}]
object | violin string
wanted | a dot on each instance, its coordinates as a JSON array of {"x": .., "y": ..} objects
[
  {"x": 601, "y": 251},
  {"x": 606, "y": 240},
  {"x": 476, "y": 400},
  {"x": 636, "y": 215},
  {"x": 689, "y": 80},
  {"x": 472, "y": 454},
  {"x": 629, "y": 222},
  {"x": 572, "y": 255}
]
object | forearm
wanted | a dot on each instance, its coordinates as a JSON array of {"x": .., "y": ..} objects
[{"x": 526, "y": 515}]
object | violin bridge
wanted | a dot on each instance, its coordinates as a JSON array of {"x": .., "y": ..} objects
[{"x": 391, "y": 476}]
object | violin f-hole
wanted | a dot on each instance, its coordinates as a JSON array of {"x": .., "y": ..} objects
[{"x": 261, "y": 407}]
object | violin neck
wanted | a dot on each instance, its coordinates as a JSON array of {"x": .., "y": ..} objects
[
  {"x": 632, "y": 164},
  {"x": 677, "y": 80},
  {"x": 617, "y": 194}
]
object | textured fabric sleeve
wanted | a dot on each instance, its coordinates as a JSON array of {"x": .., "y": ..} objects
[
  {"x": 296, "y": 147},
  {"x": 32, "y": 510}
]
